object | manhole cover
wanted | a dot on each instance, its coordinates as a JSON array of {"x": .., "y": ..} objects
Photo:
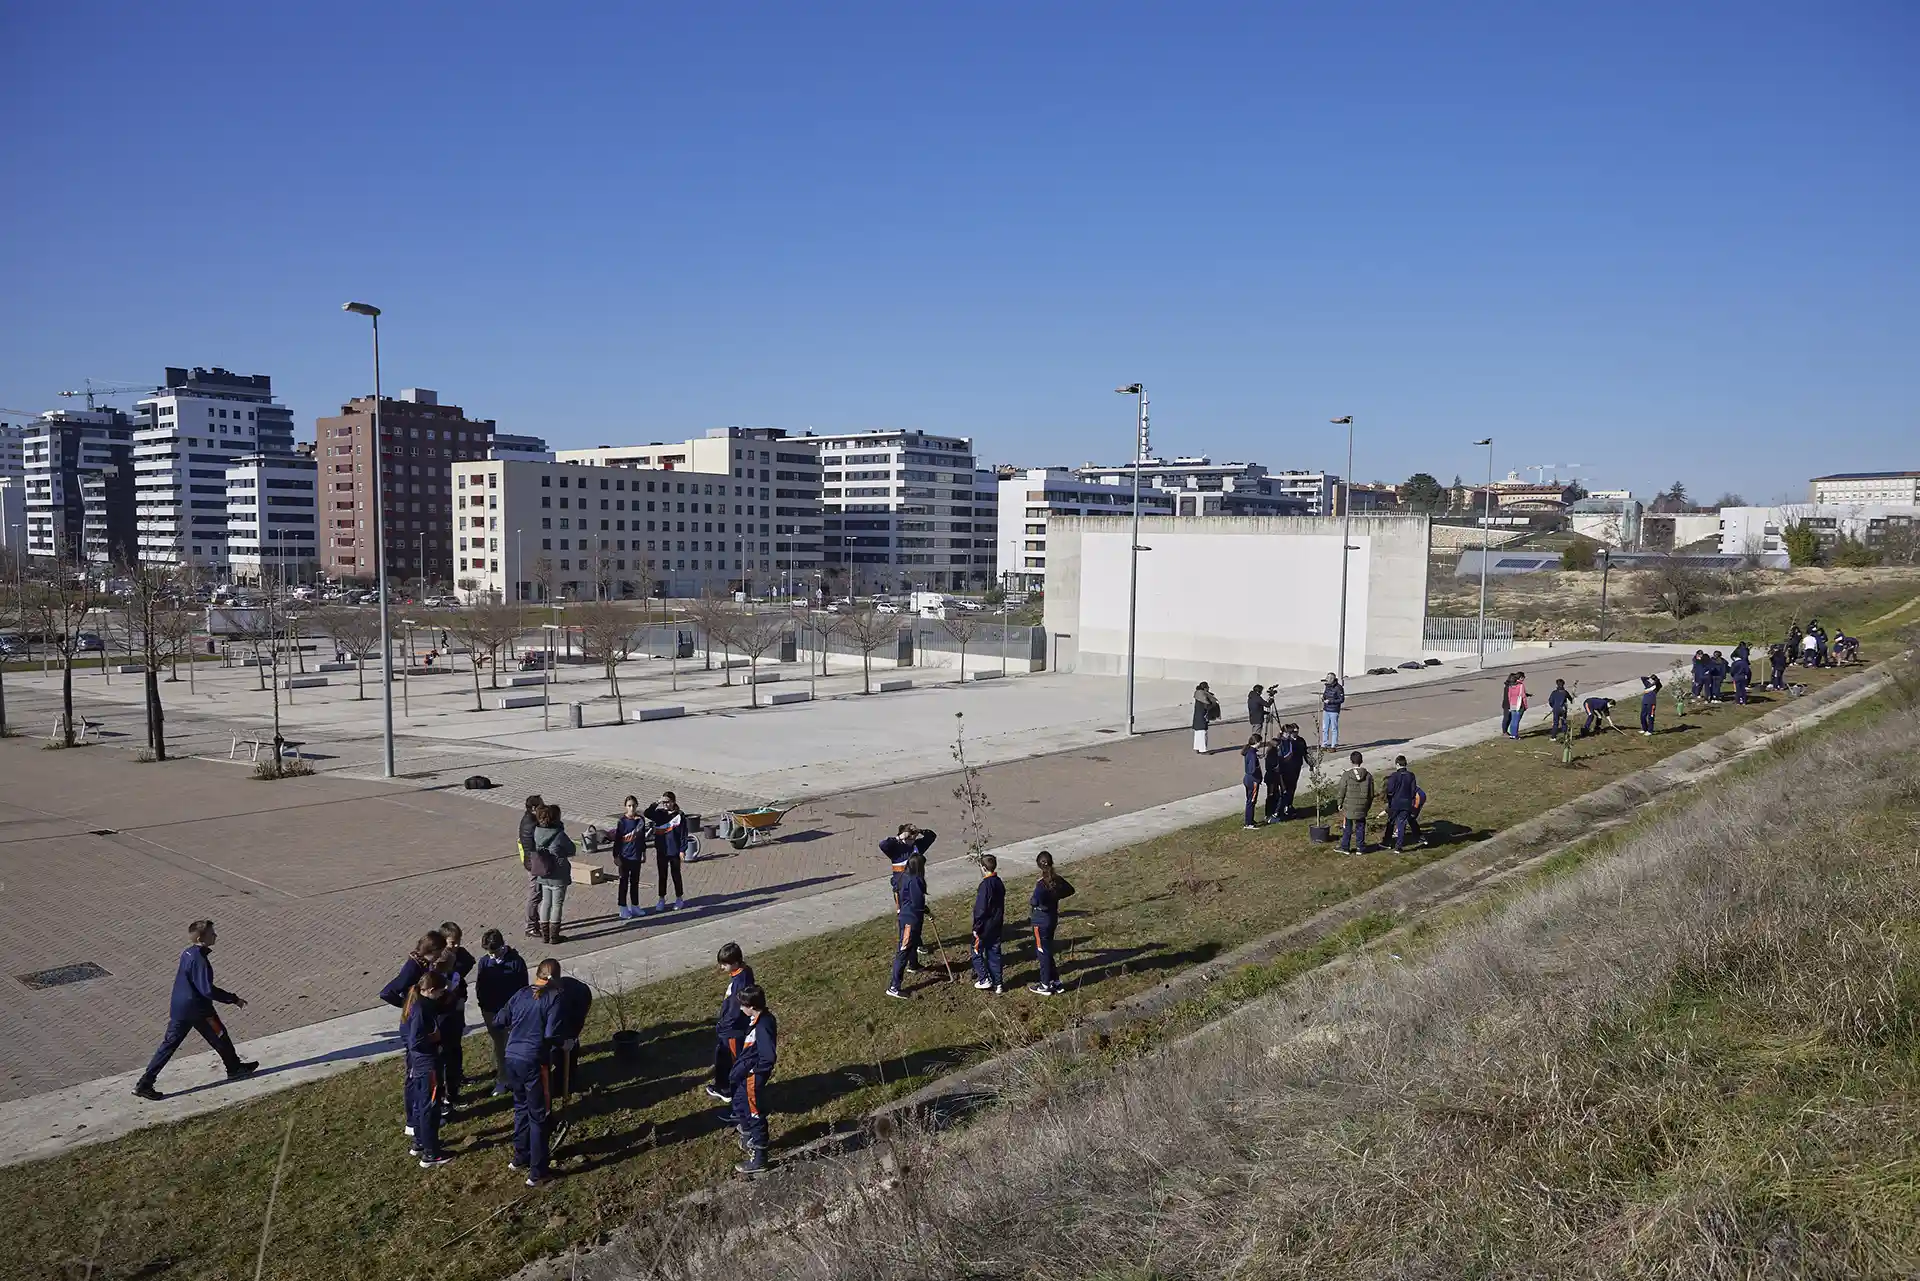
[{"x": 61, "y": 975}]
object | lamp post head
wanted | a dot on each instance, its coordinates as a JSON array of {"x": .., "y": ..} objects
[
  {"x": 360, "y": 308},
  {"x": 1131, "y": 389},
  {"x": 1487, "y": 441},
  {"x": 1342, "y": 422}
]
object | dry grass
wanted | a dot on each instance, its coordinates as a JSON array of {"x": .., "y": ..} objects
[{"x": 1699, "y": 1057}]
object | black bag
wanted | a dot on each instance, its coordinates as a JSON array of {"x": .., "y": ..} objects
[{"x": 478, "y": 783}]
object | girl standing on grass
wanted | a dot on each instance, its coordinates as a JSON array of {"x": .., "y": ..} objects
[
  {"x": 912, "y": 915},
  {"x": 421, "y": 1029},
  {"x": 1045, "y": 915},
  {"x": 456, "y": 963},
  {"x": 630, "y": 855}
]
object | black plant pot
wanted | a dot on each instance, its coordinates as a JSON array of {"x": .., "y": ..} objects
[
  {"x": 626, "y": 1044},
  {"x": 1320, "y": 833}
]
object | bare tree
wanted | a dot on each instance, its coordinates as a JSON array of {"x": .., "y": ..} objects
[
  {"x": 354, "y": 631},
  {"x": 870, "y": 631},
  {"x": 754, "y": 633},
  {"x": 176, "y": 627},
  {"x": 826, "y": 626},
  {"x": 546, "y": 576},
  {"x": 12, "y": 614},
  {"x": 963, "y": 627},
  {"x": 605, "y": 630},
  {"x": 59, "y": 608},
  {"x": 715, "y": 618},
  {"x": 147, "y": 610},
  {"x": 485, "y": 629},
  {"x": 1674, "y": 586}
]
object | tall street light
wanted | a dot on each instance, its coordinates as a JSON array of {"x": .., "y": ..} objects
[
  {"x": 1139, "y": 392},
  {"x": 1486, "y": 547},
  {"x": 372, "y": 313},
  {"x": 1346, "y": 546}
]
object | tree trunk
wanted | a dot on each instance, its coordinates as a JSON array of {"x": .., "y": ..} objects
[
  {"x": 156, "y": 717},
  {"x": 619, "y": 705},
  {"x": 66, "y": 699},
  {"x": 360, "y": 676},
  {"x": 753, "y": 684},
  {"x": 866, "y": 671},
  {"x": 3, "y": 700},
  {"x": 476, "y": 681}
]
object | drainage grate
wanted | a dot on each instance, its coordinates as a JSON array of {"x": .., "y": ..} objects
[
  {"x": 105, "y": 831},
  {"x": 62, "y": 975}
]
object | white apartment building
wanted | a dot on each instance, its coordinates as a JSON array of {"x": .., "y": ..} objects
[
  {"x": 1203, "y": 487},
  {"x": 1029, "y": 499},
  {"x": 1898, "y": 487},
  {"x": 779, "y": 544},
  {"x": 272, "y": 525},
  {"x": 13, "y": 459},
  {"x": 1759, "y": 531},
  {"x": 897, "y": 513},
  {"x": 60, "y": 448},
  {"x": 520, "y": 449},
  {"x": 186, "y": 437},
  {"x": 13, "y": 514},
  {"x": 986, "y": 523},
  {"x": 572, "y": 531}
]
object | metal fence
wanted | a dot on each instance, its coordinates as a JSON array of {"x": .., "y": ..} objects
[{"x": 1462, "y": 635}]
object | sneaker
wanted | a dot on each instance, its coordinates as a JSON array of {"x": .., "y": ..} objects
[
  {"x": 756, "y": 1163},
  {"x": 515, "y": 1166},
  {"x": 498, "y": 1090},
  {"x": 896, "y": 994},
  {"x": 413, "y": 1151},
  {"x": 145, "y": 1090},
  {"x": 1041, "y": 989},
  {"x": 661, "y": 906},
  {"x": 533, "y": 931},
  {"x": 679, "y": 904},
  {"x": 239, "y": 1070},
  {"x": 982, "y": 984},
  {"x": 1246, "y": 827},
  {"x": 537, "y": 1180},
  {"x": 998, "y": 990},
  {"x": 715, "y": 1094},
  {"x": 408, "y": 1129},
  {"x": 434, "y": 1162}
]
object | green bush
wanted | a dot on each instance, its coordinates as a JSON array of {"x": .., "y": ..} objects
[{"x": 1578, "y": 556}]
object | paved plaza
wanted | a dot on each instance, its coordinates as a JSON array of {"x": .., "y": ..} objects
[{"x": 320, "y": 884}]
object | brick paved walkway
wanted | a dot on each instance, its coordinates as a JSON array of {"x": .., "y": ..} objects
[{"x": 319, "y": 884}]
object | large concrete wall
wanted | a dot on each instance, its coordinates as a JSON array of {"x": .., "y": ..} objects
[{"x": 1236, "y": 599}]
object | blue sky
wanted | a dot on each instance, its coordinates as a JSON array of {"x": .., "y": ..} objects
[{"x": 1662, "y": 240}]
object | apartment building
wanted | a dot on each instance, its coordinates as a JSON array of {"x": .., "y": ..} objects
[
  {"x": 411, "y": 466},
  {"x": 1031, "y": 497},
  {"x": 778, "y": 545},
  {"x": 13, "y": 459},
  {"x": 522, "y": 449},
  {"x": 107, "y": 534},
  {"x": 185, "y": 437},
  {"x": 1202, "y": 487},
  {"x": 272, "y": 524},
  {"x": 897, "y": 513},
  {"x": 58, "y": 450},
  {"x": 1883, "y": 487},
  {"x": 1319, "y": 490},
  {"x": 986, "y": 524},
  {"x": 532, "y": 531}
]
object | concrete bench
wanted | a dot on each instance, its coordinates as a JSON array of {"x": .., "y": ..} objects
[
  {"x": 305, "y": 682},
  {"x": 888, "y": 687},
  {"x": 988, "y": 676},
  {"x": 507, "y": 702},
  {"x": 533, "y": 678},
  {"x": 335, "y": 667},
  {"x": 656, "y": 713},
  {"x": 288, "y": 746},
  {"x": 132, "y": 669},
  {"x": 763, "y": 678},
  {"x": 793, "y": 696},
  {"x": 736, "y": 662}
]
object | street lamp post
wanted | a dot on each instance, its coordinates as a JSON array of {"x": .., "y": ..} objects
[
  {"x": 1606, "y": 555},
  {"x": 1139, "y": 392},
  {"x": 1486, "y": 548},
  {"x": 518, "y": 597},
  {"x": 372, "y": 313},
  {"x": 406, "y": 671},
  {"x": 546, "y": 686},
  {"x": 1346, "y": 547}
]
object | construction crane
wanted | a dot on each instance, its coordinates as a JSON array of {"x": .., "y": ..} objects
[
  {"x": 101, "y": 391},
  {"x": 1540, "y": 470}
]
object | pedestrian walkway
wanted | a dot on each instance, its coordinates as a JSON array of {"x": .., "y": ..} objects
[{"x": 337, "y": 903}]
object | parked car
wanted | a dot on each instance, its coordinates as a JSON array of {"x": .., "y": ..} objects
[
  {"x": 12, "y": 646},
  {"x": 90, "y": 642}
]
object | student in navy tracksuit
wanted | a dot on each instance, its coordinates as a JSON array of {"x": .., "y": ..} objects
[
  {"x": 1288, "y": 754},
  {"x": 191, "y": 1010},
  {"x": 1044, "y": 913},
  {"x": 1742, "y": 668},
  {"x": 417, "y": 964},
  {"x": 528, "y": 1018},
  {"x": 500, "y": 974},
  {"x": 1558, "y": 702},
  {"x": 1649, "y": 698},
  {"x": 669, "y": 844},
  {"x": 1401, "y": 788},
  {"x": 1776, "y": 666},
  {"x": 759, "y": 1050},
  {"x": 1699, "y": 673},
  {"x": 571, "y": 999},
  {"x": 1250, "y": 776},
  {"x": 731, "y": 1026},
  {"x": 989, "y": 922},
  {"x": 1716, "y": 676},
  {"x": 630, "y": 855},
  {"x": 912, "y": 896},
  {"x": 457, "y": 964},
  {"x": 1599, "y": 712},
  {"x": 423, "y": 1025},
  {"x": 900, "y": 847}
]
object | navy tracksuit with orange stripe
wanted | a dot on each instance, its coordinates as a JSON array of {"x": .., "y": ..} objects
[
  {"x": 420, "y": 1033},
  {"x": 751, "y": 1069},
  {"x": 913, "y": 911},
  {"x": 731, "y": 1028}
]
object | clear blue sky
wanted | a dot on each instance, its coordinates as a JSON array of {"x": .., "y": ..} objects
[{"x": 1663, "y": 240}]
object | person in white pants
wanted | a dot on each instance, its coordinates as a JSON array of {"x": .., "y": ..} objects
[{"x": 1206, "y": 710}]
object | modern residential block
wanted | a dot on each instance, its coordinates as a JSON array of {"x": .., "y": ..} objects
[
  {"x": 272, "y": 529},
  {"x": 1031, "y": 498},
  {"x": 185, "y": 436},
  {"x": 59, "y": 449},
  {"x": 897, "y": 513},
  {"x": 1900, "y": 487}
]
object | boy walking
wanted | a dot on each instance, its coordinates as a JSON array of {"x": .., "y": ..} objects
[
  {"x": 1558, "y": 702},
  {"x": 191, "y": 1010},
  {"x": 749, "y": 1077},
  {"x": 732, "y": 1025},
  {"x": 989, "y": 922},
  {"x": 1356, "y": 799},
  {"x": 1649, "y": 698}
]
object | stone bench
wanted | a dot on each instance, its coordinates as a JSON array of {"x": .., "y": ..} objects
[
  {"x": 132, "y": 669},
  {"x": 736, "y": 662},
  {"x": 335, "y": 667},
  {"x": 535, "y": 678},
  {"x": 763, "y": 678},
  {"x": 656, "y": 713},
  {"x": 888, "y": 687},
  {"x": 305, "y": 682},
  {"x": 793, "y": 696},
  {"x": 507, "y": 702},
  {"x": 988, "y": 676}
]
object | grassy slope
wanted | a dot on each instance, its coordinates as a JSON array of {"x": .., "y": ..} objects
[{"x": 353, "y": 1205}]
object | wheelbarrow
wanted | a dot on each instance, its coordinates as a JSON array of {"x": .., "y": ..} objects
[{"x": 744, "y": 828}]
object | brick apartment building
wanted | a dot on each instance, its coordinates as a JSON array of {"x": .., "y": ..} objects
[{"x": 422, "y": 439}]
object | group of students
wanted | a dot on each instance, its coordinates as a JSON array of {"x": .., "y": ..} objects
[
  {"x": 547, "y": 851},
  {"x": 1275, "y": 761},
  {"x": 906, "y": 852},
  {"x": 1404, "y": 797},
  {"x": 1813, "y": 649}
]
